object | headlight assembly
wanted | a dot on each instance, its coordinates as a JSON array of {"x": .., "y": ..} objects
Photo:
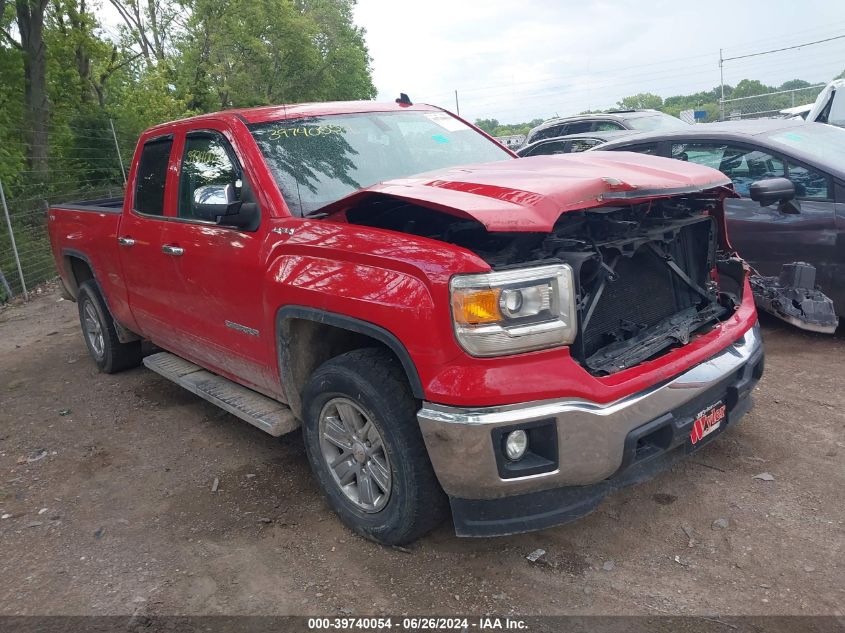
[{"x": 514, "y": 311}]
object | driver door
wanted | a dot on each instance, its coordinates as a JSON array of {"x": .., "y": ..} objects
[{"x": 218, "y": 270}]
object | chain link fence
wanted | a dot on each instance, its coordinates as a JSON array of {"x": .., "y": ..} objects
[
  {"x": 92, "y": 169},
  {"x": 769, "y": 104}
]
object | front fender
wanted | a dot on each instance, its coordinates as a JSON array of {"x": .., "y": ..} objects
[
  {"x": 288, "y": 313},
  {"x": 393, "y": 285},
  {"x": 405, "y": 312}
]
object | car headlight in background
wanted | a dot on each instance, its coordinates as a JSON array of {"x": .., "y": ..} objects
[{"x": 514, "y": 311}]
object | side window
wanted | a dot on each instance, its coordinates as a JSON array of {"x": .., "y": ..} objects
[
  {"x": 151, "y": 177},
  {"x": 550, "y": 132},
  {"x": 699, "y": 153},
  {"x": 743, "y": 166},
  {"x": 646, "y": 148},
  {"x": 809, "y": 182},
  {"x": 579, "y": 127},
  {"x": 208, "y": 167},
  {"x": 583, "y": 144},
  {"x": 604, "y": 126},
  {"x": 545, "y": 149}
]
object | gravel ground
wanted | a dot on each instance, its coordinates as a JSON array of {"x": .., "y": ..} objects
[{"x": 107, "y": 508}]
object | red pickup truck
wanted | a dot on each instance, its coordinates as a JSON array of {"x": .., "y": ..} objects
[{"x": 450, "y": 326}]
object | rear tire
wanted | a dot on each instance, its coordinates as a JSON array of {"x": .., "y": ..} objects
[
  {"x": 360, "y": 415},
  {"x": 100, "y": 335}
]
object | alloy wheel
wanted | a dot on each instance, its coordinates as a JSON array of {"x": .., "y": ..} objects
[{"x": 354, "y": 452}]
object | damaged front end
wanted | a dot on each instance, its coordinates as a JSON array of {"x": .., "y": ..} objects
[
  {"x": 793, "y": 297},
  {"x": 649, "y": 275},
  {"x": 645, "y": 279}
]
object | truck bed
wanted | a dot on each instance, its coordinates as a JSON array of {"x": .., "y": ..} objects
[
  {"x": 100, "y": 205},
  {"x": 87, "y": 230}
]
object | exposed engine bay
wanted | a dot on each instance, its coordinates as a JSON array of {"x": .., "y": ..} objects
[{"x": 649, "y": 275}]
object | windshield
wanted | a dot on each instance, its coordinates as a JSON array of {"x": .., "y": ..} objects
[
  {"x": 318, "y": 160},
  {"x": 823, "y": 142},
  {"x": 656, "y": 122}
]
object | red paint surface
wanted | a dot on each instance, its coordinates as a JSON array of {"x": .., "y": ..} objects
[
  {"x": 396, "y": 281},
  {"x": 531, "y": 193}
]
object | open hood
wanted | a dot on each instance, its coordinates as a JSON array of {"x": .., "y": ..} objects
[{"x": 530, "y": 194}]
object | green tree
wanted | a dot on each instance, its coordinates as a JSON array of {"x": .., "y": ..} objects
[
  {"x": 12, "y": 136},
  {"x": 488, "y": 125},
  {"x": 494, "y": 128},
  {"x": 794, "y": 84},
  {"x": 172, "y": 58},
  {"x": 750, "y": 88},
  {"x": 29, "y": 28},
  {"x": 344, "y": 70},
  {"x": 643, "y": 100},
  {"x": 706, "y": 100},
  {"x": 149, "y": 27},
  {"x": 65, "y": 80},
  {"x": 247, "y": 52}
]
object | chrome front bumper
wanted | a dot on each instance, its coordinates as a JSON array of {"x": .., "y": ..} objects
[{"x": 591, "y": 437}]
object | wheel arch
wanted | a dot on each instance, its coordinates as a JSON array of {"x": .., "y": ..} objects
[
  {"x": 77, "y": 270},
  {"x": 325, "y": 335}
]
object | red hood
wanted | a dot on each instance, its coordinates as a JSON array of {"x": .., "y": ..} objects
[{"x": 530, "y": 194}]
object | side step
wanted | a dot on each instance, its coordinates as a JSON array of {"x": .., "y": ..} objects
[{"x": 267, "y": 414}]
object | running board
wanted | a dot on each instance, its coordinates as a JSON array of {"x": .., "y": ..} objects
[{"x": 265, "y": 413}]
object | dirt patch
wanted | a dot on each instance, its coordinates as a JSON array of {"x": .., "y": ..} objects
[{"x": 118, "y": 515}]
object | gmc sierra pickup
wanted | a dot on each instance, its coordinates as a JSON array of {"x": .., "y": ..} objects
[{"x": 449, "y": 326}]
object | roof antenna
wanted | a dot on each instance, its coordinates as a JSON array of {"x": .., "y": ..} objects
[{"x": 404, "y": 99}]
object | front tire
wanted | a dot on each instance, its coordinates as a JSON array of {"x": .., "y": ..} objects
[
  {"x": 100, "y": 335},
  {"x": 366, "y": 450}
]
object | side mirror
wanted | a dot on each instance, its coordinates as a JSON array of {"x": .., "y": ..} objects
[
  {"x": 213, "y": 201},
  {"x": 772, "y": 190}
]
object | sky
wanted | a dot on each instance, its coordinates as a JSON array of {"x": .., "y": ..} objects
[{"x": 515, "y": 61}]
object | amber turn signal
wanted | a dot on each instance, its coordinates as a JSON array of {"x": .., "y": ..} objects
[{"x": 474, "y": 307}]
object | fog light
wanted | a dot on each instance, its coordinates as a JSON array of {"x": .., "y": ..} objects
[{"x": 516, "y": 444}]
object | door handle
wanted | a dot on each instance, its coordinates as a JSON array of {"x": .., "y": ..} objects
[
  {"x": 170, "y": 249},
  {"x": 126, "y": 241}
]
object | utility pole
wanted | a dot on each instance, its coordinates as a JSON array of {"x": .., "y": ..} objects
[
  {"x": 457, "y": 106},
  {"x": 722, "y": 86}
]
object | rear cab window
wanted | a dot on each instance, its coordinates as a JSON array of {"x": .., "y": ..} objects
[{"x": 152, "y": 176}]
